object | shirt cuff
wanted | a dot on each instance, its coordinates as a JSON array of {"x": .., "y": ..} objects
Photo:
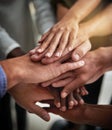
[
  {"x": 7, "y": 44},
  {"x": 3, "y": 83}
]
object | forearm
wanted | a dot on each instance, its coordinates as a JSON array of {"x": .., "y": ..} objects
[
  {"x": 81, "y": 9},
  {"x": 98, "y": 115},
  {"x": 101, "y": 24},
  {"x": 13, "y": 70}
]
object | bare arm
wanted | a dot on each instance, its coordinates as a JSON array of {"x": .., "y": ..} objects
[
  {"x": 81, "y": 9},
  {"x": 98, "y": 115},
  {"x": 22, "y": 69},
  {"x": 101, "y": 24},
  {"x": 65, "y": 31}
]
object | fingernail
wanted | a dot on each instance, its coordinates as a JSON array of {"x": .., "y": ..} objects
[
  {"x": 64, "y": 94},
  {"x": 46, "y": 117},
  {"x": 75, "y": 103},
  {"x": 81, "y": 63},
  {"x": 39, "y": 50},
  {"x": 48, "y": 54},
  {"x": 58, "y": 105},
  {"x": 71, "y": 103},
  {"x": 81, "y": 101},
  {"x": 32, "y": 51},
  {"x": 77, "y": 57},
  {"x": 57, "y": 54},
  {"x": 70, "y": 48},
  {"x": 54, "y": 84},
  {"x": 35, "y": 56}
]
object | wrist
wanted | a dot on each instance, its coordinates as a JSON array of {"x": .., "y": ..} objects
[{"x": 13, "y": 71}]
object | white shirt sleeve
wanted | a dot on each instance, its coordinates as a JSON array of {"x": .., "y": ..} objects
[
  {"x": 45, "y": 17},
  {"x": 7, "y": 44}
]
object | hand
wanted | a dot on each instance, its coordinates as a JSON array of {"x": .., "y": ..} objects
[
  {"x": 59, "y": 38},
  {"x": 77, "y": 53},
  {"x": 80, "y": 47},
  {"x": 86, "y": 114},
  {"x": 26, "y": 95},
  {"x": 75, "y": 115},
  {"x": 25, "y": 71},
  {"x": 73, "y": 99},
  {"x": 96, "y": 63}
]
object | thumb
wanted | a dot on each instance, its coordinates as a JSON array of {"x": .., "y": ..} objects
[
  {"x": 70, "y": 66},
  {"x": 81, "y": 50},
  {"x": 42, "y": 113}
]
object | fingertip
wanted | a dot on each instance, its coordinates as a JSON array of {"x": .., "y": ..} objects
[
  {"x": 43, "y": 85},
  {"x": 81, "y": 101},
  {"x": 46, "y": 117},
  {"x": 75, "y": 103},
  {"x": 54, "y": 84},
  {"x": 71, "y": 104},
  {"x": 34, "y": 57},
  {"x": 48, "y": 54},
  {"x": 40, "y": 50},
  {"x": 58, "y": 54},
  {"x": 31, "y": 52},
  {"x": 81, "y": 63},
  {"x": 64, "y": 94},
  {"x": 58, "y": 105}
]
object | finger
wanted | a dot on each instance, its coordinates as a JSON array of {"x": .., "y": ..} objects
[
  {"x": 54, "y": 58},
  {"x": 71, "y": 87},
  {"x": 47, "y": 60},
  {"x": 54, "y": 43},
  {"x": 64, "y": 58},
  {"x": 40, "y": 112},
  {"x": 78, "y": 98},
  {"x": 63, "y": 104},
  {"x": 33, "y": 51},
  {"x": 75, "y": 43},
  {"x": 44, "y": 36},
  {"x": 72, "y": 42},
  {"x": 37, "y": 57},
  {"x": 72, "y": 39},
  {"x": 69, "y": 66},
  {"x": 71, "y": 101},
  {"x": 46, "y": 43},
  {"x": 56, "y": 94},
  {"x": 62, "y": 83},
  {"x": 81, "y": 50},
  {"x": 63, "y": 43},
  {"x": 63, "y": 76},
  {"x": 83, "y": 91}
]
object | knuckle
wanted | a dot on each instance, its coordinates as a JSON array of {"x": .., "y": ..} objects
[
  {"x": 54, "y": 29},
  {"x": 69, "y": 89},
  {"x": 61, "y": 28}
]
